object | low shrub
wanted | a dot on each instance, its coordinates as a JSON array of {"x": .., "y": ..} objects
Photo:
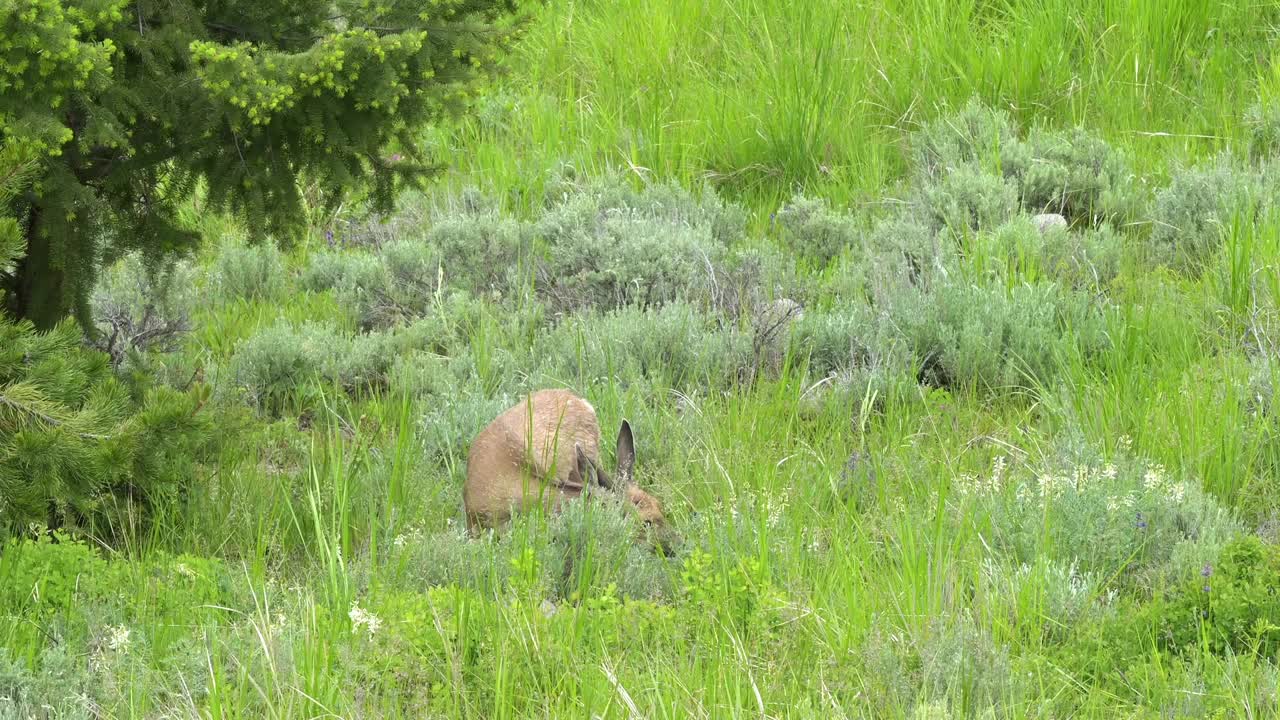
[
  {"x": 609, "y": 245},
  {"x": 675, "y": 345},
  {"x": 247, "y": 271},
  {"x": 810, "y": 228},
  {"x": 138, "y": 309},
  {"x": 1123, "y": 519},
  {"x": 1190, "y": 216},
  {"x": 76, "y": 440},
  {"x": 974, "y": 164}
]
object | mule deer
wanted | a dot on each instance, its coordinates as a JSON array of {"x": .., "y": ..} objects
[{"x": 546, "y": 449}]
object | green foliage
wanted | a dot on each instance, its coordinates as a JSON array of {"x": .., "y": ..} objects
[
  {"x": 947, "y": 664},
  {"x": 247, "y": 272},
  {"x": 1263, "y": 120},
  {"x": 609, "y": 245},
  {"x": 1126, "y": 521},
  {"x": 282, "y": 362},
  {"x": 968, "y": 198},
  {"x": 975, "y": 169},
  {"x": 1191, "y": 215},
  {"x": 810, "y": 228},
  {"x": 1231, "y": 606},
  {"x": 138, "y": 309},
  {"x": 676, "y": 345},
  {"x": 973, "y": 336},
  {"x": 75, "y": 440},
  {"x": 130, "y": 107}
]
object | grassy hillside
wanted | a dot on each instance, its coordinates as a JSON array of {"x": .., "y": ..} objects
[
  {"x": 764, "y": 96},
  {"x": 990, "y": 470}
]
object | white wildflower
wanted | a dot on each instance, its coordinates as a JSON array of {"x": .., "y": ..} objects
[
  {"x": 1109, "y": 472},
  {"x": 1178, "y": 492},
  {"x": 363, "y": 618},
  {"x": 1113, "y": 503},
  {"x": 118, "y": 638},
  {"x": 184, "y": 570},
  {"x": 1154, "y": 478},
  {"x": 997, "y": 473},
  {"x": 1081, "y": 477}
]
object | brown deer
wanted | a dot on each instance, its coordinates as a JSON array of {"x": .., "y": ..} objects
[{"x": 546, "y": 449}]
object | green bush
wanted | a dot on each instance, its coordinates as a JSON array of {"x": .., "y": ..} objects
[
  {"x": 948, "y": 668},
  {"x": 139, "y": 307},
  {"x": 1124, "y": 518},
  {"x": 1078, "y": 175},
  {"x": 810, "y": 228},
  {"x": 1088, "y": 260},
  {"x": 244, "y": 271},
  {"x": 608, "y": 245},
  {"x": 75, "y": 440},
  {"x": 1190, "y": 215},
  {"x": 967, "y": 198},
  {"x": 992, "y": 337},
  {"x": 1263, "y": 122},
  {"x": 1232, "y": 603},
  {"x": 675, "y": 345},
  {"x": 973, "y": 164},
  {"x": 282, "y": 362}
]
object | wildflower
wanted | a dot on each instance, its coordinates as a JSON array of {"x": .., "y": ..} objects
[
  {"x": 1142, "y": 523},
  {"x": 997, "y": 472},
  {"x": 363, "y": 618},
  {"x": 118, "y": 638},
  {"x": 1207, "y": 570},
  {"x": 1177, "y": 492},
  {"x": 184, "y": 570},
  {"x": 1109, "y": 472},
  {"x": 1125, "y": 442},
  {"x": 1153, "y": 479},
  {"x": 1113, "y": 503}
]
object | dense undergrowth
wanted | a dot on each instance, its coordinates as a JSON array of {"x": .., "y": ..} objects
[{"x": 931, "y": 456}]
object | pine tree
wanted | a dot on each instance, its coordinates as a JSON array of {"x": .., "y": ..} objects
[{"x": 128, "y": 106}]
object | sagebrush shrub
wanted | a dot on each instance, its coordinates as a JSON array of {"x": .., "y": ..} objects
[
  {"x": 282, "y": 362},
  {"x": 1123, "y": 518},
  {"x": 948, "y": 663},
  {"x": 247, "y": 271},
  {"x": 977, "y": 134},
  {"x": 992, "y": 337},
  {"x": 1263, "y": 122},
  {"x": 969, "y": 163},
  {"x": 967, "y": 198},
  {"x": 608, "y": 245},
  {"x": 1190, "y": 215},
  {"x": 675, "y": 345},
  {"x": 1078, "y": 175},
  {"x": 810, "y": 228},
  {"x": 138, "y": 308}
]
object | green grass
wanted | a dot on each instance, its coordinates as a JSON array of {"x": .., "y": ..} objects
[
  {"x": 318, "y": 568},
  {"x": 765, "y": 96}
]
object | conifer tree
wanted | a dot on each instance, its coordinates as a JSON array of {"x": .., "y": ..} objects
[{"x": 127, "y": 106}]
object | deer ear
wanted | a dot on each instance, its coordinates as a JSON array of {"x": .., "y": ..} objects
[{"x": 626, "y": 454}]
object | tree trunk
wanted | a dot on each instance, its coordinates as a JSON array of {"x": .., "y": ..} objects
[{"x": 39, "y": 287}]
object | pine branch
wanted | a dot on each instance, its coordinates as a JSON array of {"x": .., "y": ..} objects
[{"x": 31, "y": 411}]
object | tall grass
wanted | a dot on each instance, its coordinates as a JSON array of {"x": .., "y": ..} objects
[{"x": 765, "y": 96}]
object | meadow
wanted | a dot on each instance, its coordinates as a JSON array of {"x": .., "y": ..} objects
[{"x": 930, "y": 455}]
